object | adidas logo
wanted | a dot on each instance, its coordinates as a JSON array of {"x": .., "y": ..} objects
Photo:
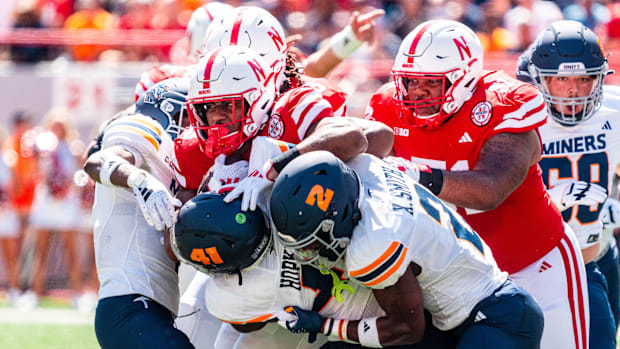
[
  {"x": 465, "y": 138},
  {"x": 479, "y": 316},
  {"x": 544, "y": 266},
  {"x": 606, "y": 126},
  {"x": 366, "y": 327}
]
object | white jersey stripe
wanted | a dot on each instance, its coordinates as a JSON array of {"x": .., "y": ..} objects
[
  {"x": 523, "y": 123},
  {"x": 310, "y": 97},
  {"x": 310, "y": 117},
  {"x": 530, "y": 105}
]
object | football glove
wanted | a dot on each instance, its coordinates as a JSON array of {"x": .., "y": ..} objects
[
  {"x": 610, "y": 214},
  {"x": 263, "y": 150},
  {"x": 155, "y": 201},
  {"x": 222, "y": 178},
  {"x": 571, "y": 193},
  {"x": 298, "y": 320}
]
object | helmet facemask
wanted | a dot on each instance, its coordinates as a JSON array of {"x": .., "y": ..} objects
[
  {"x": 225, "y": 138},
  {"x": 426, "y": 112},
  {"x": 320, "y": 249},
  {"x": 565, "y": 110}
]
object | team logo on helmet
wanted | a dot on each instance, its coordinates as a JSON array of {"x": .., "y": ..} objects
[
  {"x": 481, "y": 113},
  {"x": 276, "y": 126}
]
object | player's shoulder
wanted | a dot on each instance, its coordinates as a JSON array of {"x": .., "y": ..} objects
[
  {"x": 505, "y": 104},
  {"x": 381, "y": 104},
  {"x": 385, "y": 93},
  {"x": 189, "y": 162},
  {"x": 298, "y": 96},
  {"x": 507, "y": 88},
  {"x": 135, "y": 128},
  {"x": 375, "y": 261}
]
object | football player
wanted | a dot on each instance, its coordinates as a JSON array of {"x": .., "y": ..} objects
[
  {"x": 473, "y": 134},
  {"x": 254, "y": 277},
  {"x": 581, "y": 149},
  {"x": 139, "y": 295},
  {"x": 415, "y": 252}
]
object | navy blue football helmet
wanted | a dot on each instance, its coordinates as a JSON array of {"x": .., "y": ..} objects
[
  {"x": 568, "y": 48},
  {"x": 315, "y": 207},
  {"x": 165, "y": 102},
  {"x": 218, "y": 238},
  {"x": 523, "y": 66}
]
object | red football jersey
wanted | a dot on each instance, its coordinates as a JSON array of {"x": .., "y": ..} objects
[
  {"x": 526, "y": 225},
  {"x": 293, "y": 114},
  {"x": 333, "y": 94},
  {"x": 190, "y": 163}
]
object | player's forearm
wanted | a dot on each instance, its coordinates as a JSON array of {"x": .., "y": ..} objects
[
  {"x": 343, "y": 139},
  {"x": 321, "y": 62},
  {"x": 472, "y": 189},
  {"x": 116, "y": 164}
]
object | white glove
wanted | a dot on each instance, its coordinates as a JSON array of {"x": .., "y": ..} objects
[
  {"x": 409, "y": 168},
  {"x": 222, "y": 178},
  {"x": 154, "y": 199},
  {"x": 570, "y": 193},
  {"x": 610, "y": 214},
  {"x": 251, "y": 187}
]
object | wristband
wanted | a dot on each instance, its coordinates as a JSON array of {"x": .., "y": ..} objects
[
  {"x": 433, "y": 180},
  {"x": 336, "y": 329},
  {"x": 368, "y": 334},
  {"x": 283, "y": 159},
  {"x": 110, "y": 165},
  {"x": 344, "y": 43}
]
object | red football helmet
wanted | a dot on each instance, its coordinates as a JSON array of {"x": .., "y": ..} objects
[
  {"x": 236, "y": 77},
  {"x": 442, "y": 50}
]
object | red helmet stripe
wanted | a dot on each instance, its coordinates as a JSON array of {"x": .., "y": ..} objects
[
  {"x": 207, "y": 75},
  {"x": 208, "y": 12},
  {"x": 234, "y": 36},
  {"x": 416, "y": 40}
]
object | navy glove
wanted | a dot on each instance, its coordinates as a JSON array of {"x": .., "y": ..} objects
[{"x": 303, "y": 321}]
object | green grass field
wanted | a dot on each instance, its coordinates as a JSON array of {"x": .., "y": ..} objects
[{"x": 47, "y": 336}]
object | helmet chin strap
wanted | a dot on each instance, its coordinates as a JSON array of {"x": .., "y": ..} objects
[{"x": 238, "y": 272}]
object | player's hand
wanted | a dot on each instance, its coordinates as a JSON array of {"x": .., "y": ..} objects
[
  {"x": 610, "y": 214},
  {"x": 251, "y": 187},
  {"x": 571, "y": 193},
  {"x": 222, "y": 178},
  {"x": 363, "y": 24},
  {"x": 409, "y": 168},
  {"x": 302, "y": 321},
  {"x": 154, "y": 199}
]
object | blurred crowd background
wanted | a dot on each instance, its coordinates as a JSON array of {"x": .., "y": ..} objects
[{"x": 68, "y": 65}]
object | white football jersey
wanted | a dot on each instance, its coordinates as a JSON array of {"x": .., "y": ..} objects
[
  {"x": 587, "y": 152},
  {"x": 128, "y": 252},
  {"x": 402, "y": 222},
  {"x": 279, "y": 281}
]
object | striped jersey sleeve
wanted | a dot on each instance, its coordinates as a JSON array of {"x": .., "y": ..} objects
[
  {"x": 299, "y": 109},
  {"x": 527, "y": 113},
  {"x": 138, "y": 132},
  {"x": 377, "y": 265}
]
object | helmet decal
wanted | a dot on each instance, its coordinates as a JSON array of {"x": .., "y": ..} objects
[
  {"x": 323, "y": 196},
  {"x": 206, "y": 256},
  {"x": 240, "y": 218}
]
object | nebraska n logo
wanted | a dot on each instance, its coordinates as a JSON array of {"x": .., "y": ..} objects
[
  {"x": 462, "y": 46},
  {"x": 324, "y": 197}
]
